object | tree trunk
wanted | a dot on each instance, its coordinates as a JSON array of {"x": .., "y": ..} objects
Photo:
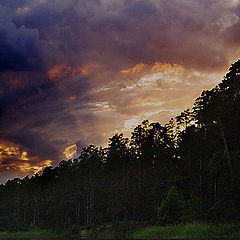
[
  {"x": 225, "y": 146},
  {"x": 35, "y": 210},
  {"x": 200, "y": 183}
]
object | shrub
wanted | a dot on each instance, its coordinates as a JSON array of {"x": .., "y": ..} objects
[{"x": 171, "y": 209}]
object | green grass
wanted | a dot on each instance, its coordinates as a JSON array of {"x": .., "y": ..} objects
[
  {"x": 191, "y": 230},
  {"x": 107, "y": 233},
  {"x": 40, "y": 234}
]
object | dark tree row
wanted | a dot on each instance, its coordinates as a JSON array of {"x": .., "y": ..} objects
[{"x": 198, "y": 153}]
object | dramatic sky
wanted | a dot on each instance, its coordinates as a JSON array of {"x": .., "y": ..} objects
[{"x": 74, "y": 72}]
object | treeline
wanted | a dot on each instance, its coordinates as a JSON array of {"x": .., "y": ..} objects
[{"x": 185, "y": 170}]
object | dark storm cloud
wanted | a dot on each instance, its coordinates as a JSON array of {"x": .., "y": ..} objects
[
  {"x": 19, "y": 47},
  {"x": 37, "y": 145},
  {"x": 126, "y": 28},
  {"x": 185, "y": 32},
  {"x": 35, "y": 114}
]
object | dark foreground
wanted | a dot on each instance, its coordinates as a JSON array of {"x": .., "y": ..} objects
[{"x": 181, "y": 231}]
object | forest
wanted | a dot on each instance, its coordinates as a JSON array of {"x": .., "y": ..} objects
[{"x": 186, "y": 170}]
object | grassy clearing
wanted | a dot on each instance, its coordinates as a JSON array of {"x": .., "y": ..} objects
[
  {"x": 40, "y": 234},
  {"x": 191, "y": 230},
  {"x": 108, "y": 233}
]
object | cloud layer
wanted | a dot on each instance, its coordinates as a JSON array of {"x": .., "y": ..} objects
[{"x": 73, "y": 72}]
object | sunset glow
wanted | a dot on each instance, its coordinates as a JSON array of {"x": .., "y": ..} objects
[
  {"x": 70, "y": 151},
  {"x": 74, "y": 73},
  {"x": 30, "y": 169},
  {"x": 7, "y": 152}
]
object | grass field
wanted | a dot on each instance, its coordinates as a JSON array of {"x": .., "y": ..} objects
[
  {"x": 40, "y": 234},
  {"x": 191, "y": 230},
  {"x": 181, "y": 231}
]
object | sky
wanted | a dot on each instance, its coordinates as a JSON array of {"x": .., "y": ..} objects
[{"x": 75, "y": 72}]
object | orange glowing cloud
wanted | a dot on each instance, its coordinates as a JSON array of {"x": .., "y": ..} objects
[
  {"x": 166, "y": 67},
  {"x": 32, "y": 169},
  {"x": 7, "y": 152},
  {"x": 156, "y": 67},
  {"x": 135, "y": 69},
  {"x": 70, "y": 151},
  {"x": 24, "y": 156},
  {"x": 72, "y": 98},
  {"x": 85, "y": 68},
  {"x": 12, "y": 158},
  {"x": 61, "y": 71}
]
